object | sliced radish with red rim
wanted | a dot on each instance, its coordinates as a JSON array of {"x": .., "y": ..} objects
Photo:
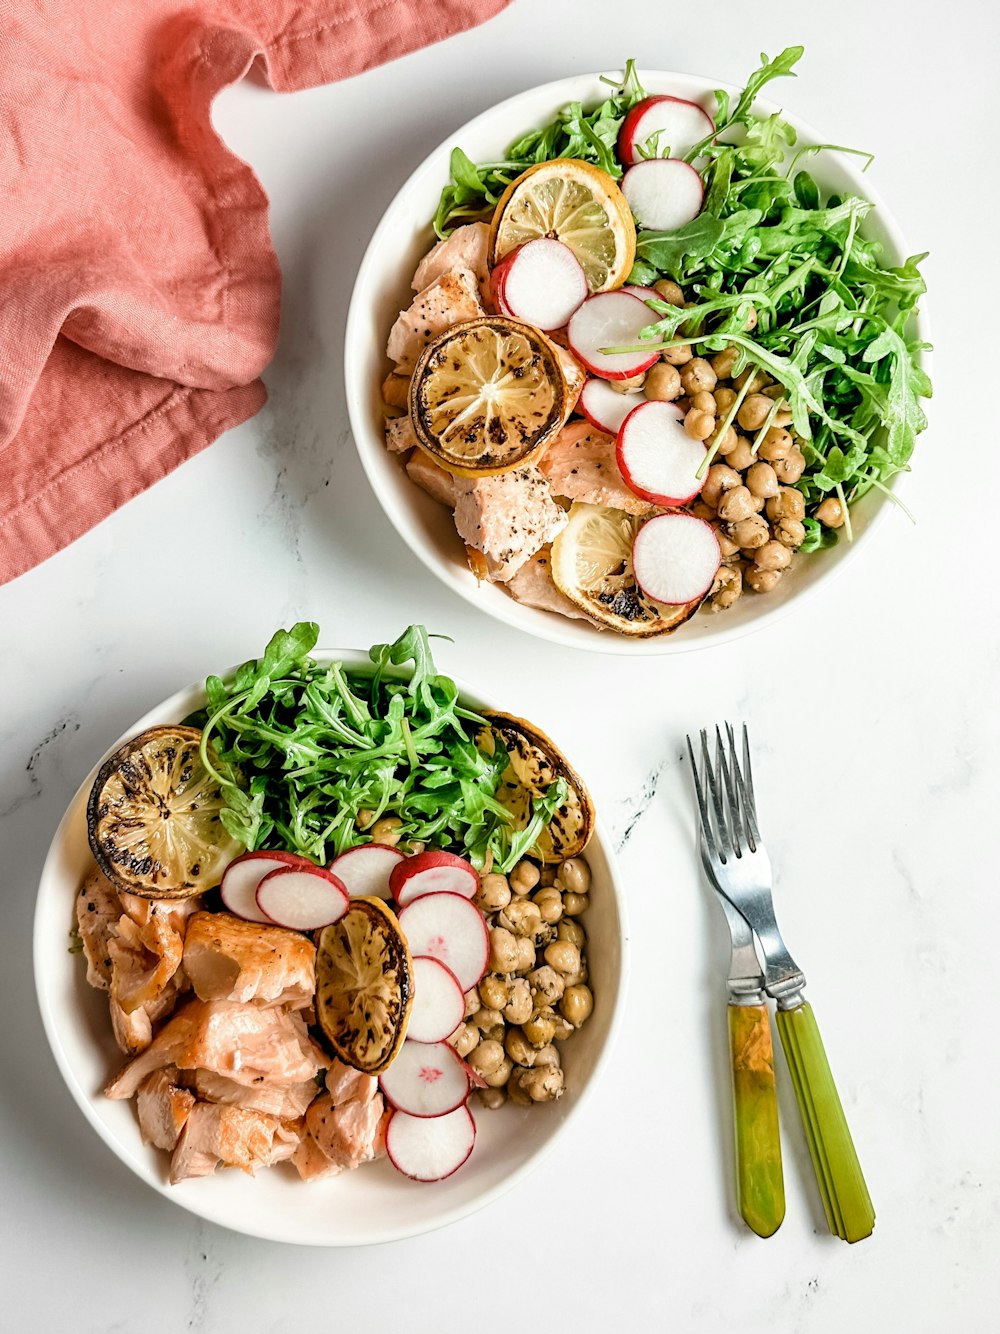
[
  {"x": 643, "y": 293},
  {"x": 438, "y": 1002},
  {"x": 611, "y": 319},
  {"x": 430, "y": 1149},
  {"x": 605, "y": 407},
  {"x": 241, "y": 877},
  {"x": 302, "y": 899},
  {"x": 432, "y": 872},
  {"x": 541, "y": 282},
  {"x": 425, "y": 1079},
  {"x": 663, "y": 193},
  {"x": 675, "y": 558},
  {"x": 452, "y": 929},
  {"x": 657, "y": 458},
  {"x": 366, "y": 870},
  {"x": 662, "y": 127}
]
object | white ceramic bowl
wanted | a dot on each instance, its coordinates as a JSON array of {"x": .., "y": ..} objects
[
  {"x": 375, "y": 1203},
  {"x": 383, "y": 287}
]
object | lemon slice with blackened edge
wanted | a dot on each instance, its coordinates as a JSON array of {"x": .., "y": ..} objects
[
  {"x": 535, "y": 762},
  {"x": 487, "y": 396},
  {"x": 153, "y": 817},
  {"x": 364, "y": 985},
  {"x": 592, "y": 566},
  {"x": 573, "y": 202}
]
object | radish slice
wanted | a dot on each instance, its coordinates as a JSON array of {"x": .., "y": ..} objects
[
  {"x": 541, "y": 282},
  {"x": 432, "y": 873},
  {"x": 643, "y": 293},
  {"x": 672, "y": 124},
  {"x": 302, "y": 899},
  {"x": 450, "y": 928},
  {"x": 241, "y": 877},
  {"x": 430, "y": 1149},
  {"x": 663, "y": 193},
  {"x": 365, "y": 870},
  {"x": 608, "y": 320},
  {"x": 425, "y": 1079},
  {"x": 605, "y": 407},
  {"x": 438, "y": 1002},
  {"x": 675, "y": 557},
  {"x": 657, "y": 457}
]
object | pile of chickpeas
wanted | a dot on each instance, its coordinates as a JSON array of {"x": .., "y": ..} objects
[
  {"x": 749, "y": 498},
  {"x": 535, "y": 991}
]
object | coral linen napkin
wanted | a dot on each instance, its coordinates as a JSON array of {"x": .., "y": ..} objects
[{"x": 139, "y": 290}]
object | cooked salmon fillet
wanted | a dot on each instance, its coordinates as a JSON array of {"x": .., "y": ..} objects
[
  {"x": 450, "y": 299},
  {"x": 163, "y": 1107},
  {"x": 143, "y": 960},
  {"x": 343, "y": 1083},
  {"x": 432, "y": 478},
  {"x": 399, "y": 434},
  {"x": 285, "y": 1101},
  {"x": 232, "y": 1136},
  {"x": 396, "y": 391},
  {"x": 134, "y": 1030},
  {"x": 534, "y": 586},
  {"x": 98, "y": 908},
  {"x": 229, "y": 959},
  {"x": 346, "y": 1133},
  {"x": 311, "y": 1162},
  {"x": 508, "y": 518},
  {"x": 580, "y": 464},
  {"x": 466, "y": 248},
  {"x": 250, "y": 1044}
]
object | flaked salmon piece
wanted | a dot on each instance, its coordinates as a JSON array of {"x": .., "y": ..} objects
[
  {"x": 580, "y": 464},
  {"x": 251, "y": 1044},
  {"x": 450, "y": 299},
  {"x": 133, "y": 1032},
  {"x": 143, "y": 960},
  {"x": 396, "y": 391},
  {"x": 287, "y": 1102},
  {"x": 163, "y": 1107},
  {"x": 229, "y": 959},
  {"x": 534, "y": 586},
  {"x": 347, "y": 1133},
  {"x": 174, "y": 911},
  {"x": 508, "y": 518},
  {"x": 431, "y": 477},
  {"x": 97, "y": 910},
  {"x": 343, "y": 1083},
  {"x": 232, "y": 1136},
  {"x": 399, "y": 434},
  {"x": 311, "y": 1162},
  {"x": 466, "y": 248}
]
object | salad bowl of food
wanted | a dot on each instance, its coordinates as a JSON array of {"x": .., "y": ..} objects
[
  {"x": 663, "y": 370},
  {"x": 328, "y": 949}
]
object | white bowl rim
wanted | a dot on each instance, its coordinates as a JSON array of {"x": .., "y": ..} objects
[
  {"x": 195, "y": 1204},
  {"x": 530, "y": 620}
]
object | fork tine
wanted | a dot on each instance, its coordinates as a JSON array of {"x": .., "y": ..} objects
[
  {"x": 725, "y": 847},
  {"x": 744, "y": 783},
  {"x": 706, "y": 824},
  {"x": 732, "y": 793}
]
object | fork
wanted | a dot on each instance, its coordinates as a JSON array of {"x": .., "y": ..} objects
[{"x": 738, "y": 866}]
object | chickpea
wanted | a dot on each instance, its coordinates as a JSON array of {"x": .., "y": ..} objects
[
  {"x": 547, "y": 876},
  {"x": 776, "y": 444},
  {"x": 574, "y": 875},
  {"x": 669, "y": 292},
  {"x": 550, "y": 905},
  {"x": 563, "y": 1031},
  {"x": 464, "y": 1039},
  {"x": 525, "y": 954},
  {"x": 727, "y": 441},
  {"x": 751, "y": 533},
  {"x": 789, "y": 469},
  {"x": 751, "y": 319},
  {"x": 388, "y": 830},
  {"x": 699, "y": 425},
  {"x": 491, "y": 1098},
  {"x": 726, "y": 544},
  {"x": 571, "y": 931},
  {"x": 790, "y": 533},
  {"x": 543, "y": 1084},
  {"x": 540, "y": 1028},
  {"x": 500, "y": 1075},
  {"x": 724, "y": 400},
  {"x": 704, "y": 402},
  {"x": 830, "y": 512},
  {"x": 523, "y": 917},
  {"x": 723, "y": 363},
  {"x": 515, "y": 1092},
  {"x": 719, "y": 479},
  {"x": 524, "y": 877},
  {"x": 485, "y": 1018},
  {"x": 787, "y": 504},
  {"x": 702, "y": 511},
  {"x": 753, "y": 411},
  {"x": 577, "y": 1005},
  {"x": 728, "y": 587},
  {"x": 494, "y": 991},
  {"x": 575, "y": 904},
  {"x": 563, "y": 956},
  {"x": 364, "y": 818},
  {"x": 503, "y": 950},
  {"x": 677, "y": 356},
  {"x": 663, "y": 383},
  {"x": 698, "y": 375},
  {"x": 581, "y": 975},
  {"x": 494, "y": 893},
  {"x": 548, "y": 1057},
  {"x": 735, "y": 505},
  {"x": 741, "y": 457},
  {"x": 487, "y": 1058},
  {"x": 626, "y": 386},
  {"x": 762, "y": 581},
  {"x": 546, "y": 984},
  {"x": 472, "y": 1002},
  {"x": 773, "y": 556},
  {"x": 762, "y": 480},
  {"x": 756, "y": 378},
  {"x": 520, "y": 1002},
  {"x": 519, "y": 1049},
  {"x": 758, "y": 504}
]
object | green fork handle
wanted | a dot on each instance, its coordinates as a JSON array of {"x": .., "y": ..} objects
[
  {"x": 842, "y": 1186},
  {"x": 760, "y": 1186}
]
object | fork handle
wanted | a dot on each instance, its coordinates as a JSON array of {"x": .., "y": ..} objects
[
  {"x": 846, "y": 1201},
  {"x": 760, "y": 1186}
]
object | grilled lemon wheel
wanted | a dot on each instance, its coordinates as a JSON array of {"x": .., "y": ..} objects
[
  {"x": 577, "y": 204},
  {"x": 153, "y": 817},
  {"x": 364, "y": 985},
  {"x": 487, "y": 396},
  {"x": 592, "y": 566},
  {"x": 535, "y": 763}
]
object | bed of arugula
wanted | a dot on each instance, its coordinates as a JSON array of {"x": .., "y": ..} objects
[{"x": 832, "y": 319}]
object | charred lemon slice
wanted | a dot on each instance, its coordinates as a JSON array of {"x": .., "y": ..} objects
[
  {"x": 364, "y": 985},
  {"x": 577, "y": 204},
  {"x": 592, "y": 566},
  {"x": 487, "y": 396},
  {"x": 153, "y": 817},
  {"x": 535, "y": 762}
]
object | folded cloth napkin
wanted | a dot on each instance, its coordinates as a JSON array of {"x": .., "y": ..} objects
[{"x": 139, "y": 289}]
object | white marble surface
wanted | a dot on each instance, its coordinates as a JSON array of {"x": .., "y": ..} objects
[{"x": 875, "y": 707}]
